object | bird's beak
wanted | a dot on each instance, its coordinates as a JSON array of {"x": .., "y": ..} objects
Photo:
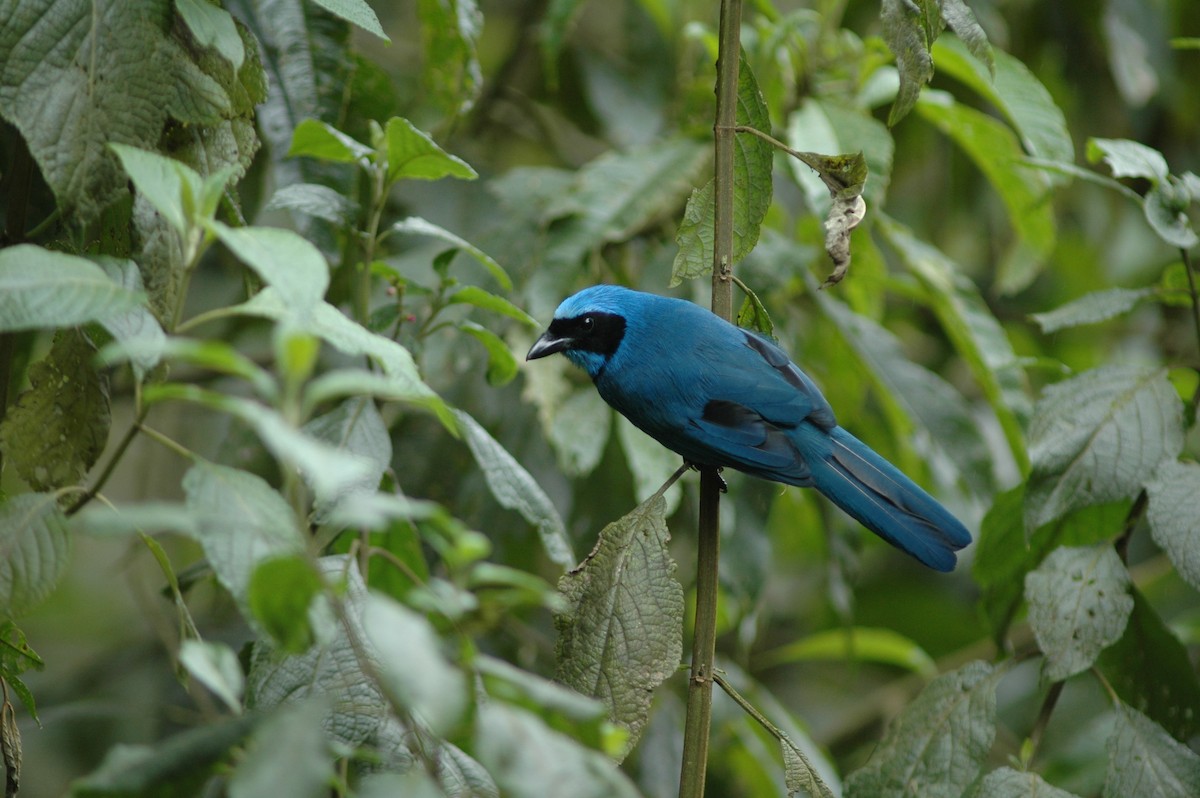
[{"x": 547, "y": 344}]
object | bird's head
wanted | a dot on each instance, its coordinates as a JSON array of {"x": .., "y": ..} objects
[{"x": 588, "y": 327}]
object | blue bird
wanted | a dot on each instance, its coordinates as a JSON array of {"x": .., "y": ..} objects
[{"x": 721, "y": 396}]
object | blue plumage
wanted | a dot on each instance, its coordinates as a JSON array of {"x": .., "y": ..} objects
[{"x": 726, "y": 397}]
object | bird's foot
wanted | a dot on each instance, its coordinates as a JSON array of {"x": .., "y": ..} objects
[{"x": 721, "y": 483}]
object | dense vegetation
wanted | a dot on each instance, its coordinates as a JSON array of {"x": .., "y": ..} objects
[{"x": 282, "y": 512}]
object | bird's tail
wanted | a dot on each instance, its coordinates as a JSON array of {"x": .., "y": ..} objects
[{"x": 891, "y": 505}]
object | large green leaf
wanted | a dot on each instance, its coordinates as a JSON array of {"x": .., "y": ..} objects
[
  {"x": 450, "y": 31},
  {"x": 939, "y": 743},
  {"x": 357, "y": 12},
  {"x": 287, "y": 755},
  {"x": 515, "y": 489},
  {"x": 997, "y": 152},
  {"x": 623, "y": 633},
  {"x": 1172, "y": 515},
  {"x": 34, "y": 546},
  {"x": 413, "y": 155},
  {"x": 909, "y": 29},
  {"x": 752, "y": 189},
  {"x": 1092, "y": 308},
  {"x": 1008, "y": 783},
  {"x": 1144, "y": 761},
  {"x": 42, "y": 289},
  {"x": 56, "y": 430},
  {"x": 283, "y": 259},
  {"x": 415, "y": 225},
  {"x": 1079, "y": 604},
  {"x": 1098, "y": 437}
]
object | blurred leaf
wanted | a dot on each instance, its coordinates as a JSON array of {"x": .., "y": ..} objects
[
  {"x": 1092, "y": 308},
  {"x": 413, "y": 667},
  {"x": 1005, "y": 554},
  {"x": 450, "y": 31},
  {"x": 976, "y": 333},
  {"x": 1079, "y": 604},
  {"x": 213, "y": 27},
  {"x": 171, "y": 187},
  {"x": 1166, "y": 207},
  {"x": 355, "y": 427},
  {"x": 315, "y": 200},
  {"x": 651, "y": 463},
  {"x": 178, "y": 765},
  {"x": 623, "y": 635},
  {"x": 280, "y": 593},
  {"x": 1129, "y": 158},
  {"x": 283, "y": 259},
  {"x": 129, "y": 518},
  {"x": 1017, "y": 94},
  {"x": 241, "y": 521},
  {"x": 995, "y": 150},
  {"x": 502, "y": 364},
  {"x": 216, "y": 667},
  {"x": 313, "y": 138},
  {"x": 1098, "y": 437},
  {"x": 619, "y": 193},
  {"x": 1144, "y": 761},
  {"x": 824, "y": 125},
  {"x": 1172, "y": 516},
  {"x": 938, "y": 744},
  {"x": 556, "y": 25},
  {"x": 530, "y": 760},
  {"x": 416, "y": 783},
  {"x": 752, "y": 189},
  {"x": 853, "y": 643},
  {"x": 413, "y": 155},
  {"x": 34, "y": 547},
  {"x": 579, "y": 432},
  {"x": 909, "y": 30},
  {"x": 139, "y": 336},
  {"x": 473, "y": 295},
  {"x": 356, "y": 12},
  {"x": 287, "y": 755},
  {"x": 515, "y": 489},
  {"x": 1151, "y": 670},
  {"x": 44, "y": 289},
  {"x": 561, "y": 707},
  {"x": 961, "y": 20},
  {"x": 349, "y": 382},
  {"x": 1133, "y": 33},
  {"x": 56, "y": 430},
  {"x": 1008, "y": 783},
  {"x": 415, "y": 225}
]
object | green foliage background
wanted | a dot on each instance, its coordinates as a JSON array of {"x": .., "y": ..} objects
[{"x": 283, "y": 512}]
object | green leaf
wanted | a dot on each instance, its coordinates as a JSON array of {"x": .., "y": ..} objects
[
  {"x": 1098, "y": 437},
  {"x": 752, "y": 189},
  {"x": 413, "y": 155},
  {"x": 614, "y": 196},
  {"x": 315, "y": 200},
  {"x": 650, "y": 462},
  {"x": 213, "y": 27},
  {"x": 104, "y": 72},
  {"x": 579, "y": 431},
  {"x": 906, "y": 29},
  {"x": 961, "y": 20},
  {"x": 415, "y": 225},
  {"x": 822, "y": 125},
  {"x": 208, "y": 354},
  {"x": 502, "y": 364},
  {"x": 288, "y": 755},
  {"x": 623, "y": 634},
  {"x": 473, "y": 295},
  {"x": 355, "y": 427},
  {"x": 515, "y": 489},
  {"x": 41, "y": 289},
  {"x": 997, "y": 153},
  {"x": 1004, "y": 553},
  {"x": 34, "y": 547},
  {"x": 138, "y": 335},
  {"x": 1166, "y": 208},
  {"x": 857, "y": 643},
  {"x": 130, "y": 518},
  {"x": 1015, "y": 92},
  {"x": 450, "y": 31},
  {"x": 1092, "y": 308},
  {"x": 356, "y": 12},
  {"x": 938, "y": 744},
  {"x": 565, "y": 709},
  {"x": 1152, "y": 671},
  {"x": 215, "y": 666},
  {"x": 753, "y": 315},
  {"x": 280, "y": 593},
  {"x": 1008, "y": 783},
  {"x": 57, "y": 429},
  {"x": 171, "y": 187},
  {"x": 1144, "y": 761},
  {"x": 976, "y": 334},
  {"x": 338, "y": 383},
  {"x": 927, "y": 399},
  {"x": 412, "y": 665},
  {"x": 178, "y": 765},
  {"x": 241, "y": 521},
  {"x": 1129, "y": 159},
  {"x": 313, "y": 138},
  {"x": 1079, "y": 604},
  {"x": 1172, "y": 516},
  {"x": 530, "y": 760},
  {"x": 285, "y": 261}
]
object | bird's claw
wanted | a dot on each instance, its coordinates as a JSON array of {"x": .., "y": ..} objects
[{"x": 721, "y": 483}]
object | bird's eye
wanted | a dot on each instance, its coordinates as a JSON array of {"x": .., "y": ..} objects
[{"x": 588, "y": 323}]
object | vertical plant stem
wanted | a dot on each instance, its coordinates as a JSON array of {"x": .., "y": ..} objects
[{"x": 699, "y": 703}]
